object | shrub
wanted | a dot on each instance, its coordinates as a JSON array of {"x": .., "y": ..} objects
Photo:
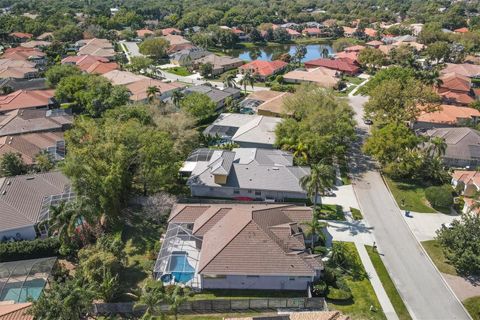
[
  {"x": 320, "y": 250},
  {"x": 329, "y": 276},
  {"x": 320, "y": 289},
  {"x": 439, "y": 196},
  {"x": 339, "y": 294},
  {"x": 29, "y": 249}
]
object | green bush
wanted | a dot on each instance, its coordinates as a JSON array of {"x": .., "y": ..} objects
[
  {"x": 320, "y": 288},
  {"x": 339, "y": 294},
  {"x": 29, "y": 249},
  {"x": 320, "y": 250},
  {"x": 329, "y": 276},
  {"x": 439, "y": 196}
]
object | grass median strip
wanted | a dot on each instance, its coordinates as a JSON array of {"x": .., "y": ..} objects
[{"x": 388, "y": 284}]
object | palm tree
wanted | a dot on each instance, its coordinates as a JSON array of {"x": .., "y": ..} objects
[
  {"x": 151, "y": 298},
  {"x": 437, "y": 147},
  {"x": 248, "y": 79},
  {"x": 325, "y": 53},
  {"x": 62, "y": 220},
  {"x": 152, "y": 92},
  {"x": 300, "y": 53},
  {"x": 300, "y": 151},
  {"x": 177, "y": 96},
  {"x": 313, "y": 228},
  {"x": 229, "y": 80},
  {"x": 320, "y": 179},
  {"x": 175, "y": 299}
]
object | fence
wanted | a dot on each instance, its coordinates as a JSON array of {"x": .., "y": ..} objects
[{"x": 226, "y": 305}]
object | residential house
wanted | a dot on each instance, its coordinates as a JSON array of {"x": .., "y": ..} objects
[
  {"x": 348, "y": 31},
  {"x": 220, "y": 63},
  {"x": 46, "y": 36},
  {"x": 447, "y": 116},
  {"x": 455, "y": 89},
  {"x": 27, "y": 99},
  {"x": 216, "y": 95},
  {"x": 468, "y": 181},
  {"x": 245, "y": 174},
  {"x": 118, "y": 77},
  {"x": 323, "y": 77},
  {"x": 9, "y": 72},
  {"x": 343, "y": 65},
  {"x": 29, "y": 145},
  {"x": 91, "y": 64},
  {"x": 171, "y": 31},
  {"x": 400, "y": 39},
  {"x": 372, "y": 33},
  {"x": 20, "y": 36},
  {"x": 312, "y": 32},
  {"x": 26, "y": 200},
  {"x": 177, "y": 43},
  {"x": 238, "y": 246},
  {"x": 186, "y": 57},
  {"x": 463, "y": 146},
  {"x": 294, "y": 34},
  {"x": 22, "y": 121},
  {"x": 356, "y": 49},
  {"x": 464, "y": 69},
  {"x": 25, "y": 54},
  {"x": 248, "y": 131},
  {"x": 242, "y": 36},
  {"x": 143, "y": 33},
  {"x": 266, "y": 103},
  {"x": 14, "y": 84},
  {"x": 374, "y": 44},
  {"x": 96, "y": 47},
  {"x": 36, "y": 44},
  {"x": 15, "y": 311},
  {"x": 138, "y": 89},
  {"x": 264, "y": 69},
  {"x": 416, "y": 28}
]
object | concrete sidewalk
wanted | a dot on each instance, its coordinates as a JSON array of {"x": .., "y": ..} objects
[{"x": 387, "y": 306}]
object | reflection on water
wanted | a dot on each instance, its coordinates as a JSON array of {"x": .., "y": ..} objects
[{"x": 269, "y": 53}]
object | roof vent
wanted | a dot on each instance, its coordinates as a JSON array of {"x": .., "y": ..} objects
[
  {"x": 275, "y": 168},
  {"x": 4, "y": 192},
  {"x": 30, "y": 178},
  {"x": 9, "y": 182}
]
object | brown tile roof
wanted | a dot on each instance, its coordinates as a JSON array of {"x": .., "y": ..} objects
[
  {"x": 17, "y": 72},
  {"x": 21, "y": 35},
  {"x": 16, "y": 311},
  {"x": 264, "y": 68},
  {"x": 101, "y": 67},
  {"x": 36, "y": 44},
  {"x": 311, "y": 31},
  {"x": 174, "y": 39},
  {"x": 464, "y": 69},
  {"x": 354, "y": 48},
  {"x": 21, "y": 197},
  {"x": 118, "y": 77},
  {"x": 341, "y": 64},
  {"x": 21, "y": 53},
  {"x": 97, "y": 47},
  {"x": 139, "y": 88},
  {"x": 455, "y": 81},
  {"x": 142, "y": 33},
  {"x": 467, "y": 176},
  {"x": 32, "y": 120},
  {"x": 171, "y": 31},
  {"x": 29, "y": 145},
  {"x": 45, "y": 35},
  {"x": 23, "y": 99},
  {"x": 324, "y": 77},
  {"x": 4, "y": 63},
  {"x": 448, "y": 114},
  {"x": 231, "y": 240},
  {"x": 275, "y": 104}
]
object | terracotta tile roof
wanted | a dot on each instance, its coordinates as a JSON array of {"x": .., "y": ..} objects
[
  {"x": 453, "y": 97},
  {"x": 17, "y": 72},
  {"x": 21, "y": 197},
  {"x": 171, "y": 31},
  {"x": 464, "y": 69},
  {"x": 370, "y": 32},
  {"x": 45, "y": 35},
  {"x": 29, "y": 145},
  {"x": 33, "y": 120},
  {"x": 21, "y": 53},
  {"x": 324, "y": 77},
  {"x": 312, "y": 31},
  {"x": 21, "y": 35},
  {"x": 15, "y": 311},
  {"x": 292, "y": 32},
  {"x": 374, "y": 43},
  {"x": 35, "y": 44},
  {"x": 142, "y": 33},
  {"x": 343, "y": 64},
  {"x": 97, "y": 47},
  {"x": 348, "y": 30},
  {"x": 455, "y": 81},
  {"x": 275, "y": 103},
  {"x": 386, "y": 48},
  {"x": 139, "y": 88},
  {"x": 467, "y": 176},
  {"x": 461, "y": 30},
  {"x": 118, "y": 77},
  {"x": 354, "y": 48},
  {"x": 264, "y": 68},
  {"x": 352, "y": 55},
  {"x": 449, "y": 115},
  {"x": 23, "y": 99},
  {"x": 101, "y": 67}
]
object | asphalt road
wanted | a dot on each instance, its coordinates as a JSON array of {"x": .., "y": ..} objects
[{"x": 422, "y": 288}]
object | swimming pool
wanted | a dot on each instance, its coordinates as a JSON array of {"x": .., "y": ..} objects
[
  {"x": 180, "y": 268},
  {"x": 31, "y": 289}
]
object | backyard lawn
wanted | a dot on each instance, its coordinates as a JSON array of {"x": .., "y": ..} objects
[
  {"x": 473, "y": 307},
  {"x": 412, "y": 194},
  {"x": 179, "y": 71},
  {"x": 435, "y": 252},
  {"x": 363, "y": 297},
  {"x": 388, "y": 284},
  {"x": 331, "y": 212}
]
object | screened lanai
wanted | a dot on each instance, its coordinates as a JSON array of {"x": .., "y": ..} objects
[
  {"x": 23, "y": 279},
  {"x": 178, "y": 258}
]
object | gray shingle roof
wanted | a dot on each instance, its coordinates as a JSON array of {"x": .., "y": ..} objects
[{"x": 462, "y": 143}]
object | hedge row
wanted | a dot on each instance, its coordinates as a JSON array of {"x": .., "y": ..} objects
[{"x": 29, "y": 249}]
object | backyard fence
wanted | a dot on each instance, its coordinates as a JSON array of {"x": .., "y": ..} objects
[{"x": 220, "y": 305}]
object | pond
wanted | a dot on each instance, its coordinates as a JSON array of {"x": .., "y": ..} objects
[{"x": 269, "y": 53}]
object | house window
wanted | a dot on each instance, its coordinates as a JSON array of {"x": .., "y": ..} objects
[
  {"x": 258, "y": 193},
  {"x": 249, "y": 190},
  {"x": 211, "y": 189},
  {"x": 236, "y": 191},
  {"x": 291, "y": 278},
  {"x": 253, "y": 276}
]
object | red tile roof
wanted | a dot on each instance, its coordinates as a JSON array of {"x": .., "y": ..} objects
[
  {"x": 142, "y": 33},
  {"x": 22, "y": 53},
  {"x": 21, "y": 35},
  {"x": 312, "y": 31},
  {"x": 293, "y": 32},
  {"x": 455, "y": 81},
  {"x": 370, "y": 32},
  {"x": 264, "y": 68},
  {"x": 461, "y": 30},
  {"x": 25, "y": 99},
  {"x": 15, "y": 311},
  {"x": 168, "y": 31},
  {"x": 449, "y": 115},
  {"x": 354, "y": 49},
  {"x": 341, "y": 64}
]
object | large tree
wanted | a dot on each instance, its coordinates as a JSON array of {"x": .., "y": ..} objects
[
  {"x": 58, "y": 72},
  {"x": 11, "y": 164},
  {"x": 155, "y": 48},
  {"x": 198, "y": 105}
]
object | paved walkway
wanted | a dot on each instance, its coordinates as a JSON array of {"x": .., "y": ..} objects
[{"x": 344, "y": 196}]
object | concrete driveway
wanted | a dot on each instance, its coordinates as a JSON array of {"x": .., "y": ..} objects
[{"x": 425, "y": 225}]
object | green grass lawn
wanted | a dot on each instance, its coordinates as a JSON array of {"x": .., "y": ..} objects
[
  {"x": 412, "y": 194},
  {"x": 388, "y": 285},
  {"x": 363, "y": 297},
  {"x": 354, "y": 80},
  {"x": 435, "y": 252},
  {"x": 356, "y": 214},
  {"x": 331, "y": 212},
  {"x": 179, "y": 71},
  {"x": 473, "y": 307},
  {"x": 247, "y": 294}
]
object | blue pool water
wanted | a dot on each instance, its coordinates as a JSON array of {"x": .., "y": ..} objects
[
  {"x": 31, "y": 289},
  {"x": 267, "y": 53},
  {"x": 180, "y": 268}
]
